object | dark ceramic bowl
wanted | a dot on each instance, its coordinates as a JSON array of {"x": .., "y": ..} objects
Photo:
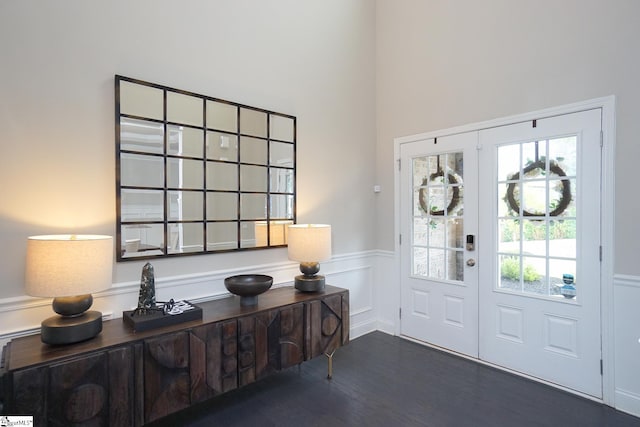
[{"x": 248, "y": 286}]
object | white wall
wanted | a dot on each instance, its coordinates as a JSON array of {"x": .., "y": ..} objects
[
  {"x": 442, "y": 64},
  {"x": 312, "y": 59}
]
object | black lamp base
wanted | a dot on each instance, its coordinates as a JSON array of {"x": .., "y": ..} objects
[
  {"x": 59, "y": 330},
  {"x": 313, "y": 283}
]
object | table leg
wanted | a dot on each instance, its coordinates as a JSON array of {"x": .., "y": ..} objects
[{"x": 330, "y": 364}]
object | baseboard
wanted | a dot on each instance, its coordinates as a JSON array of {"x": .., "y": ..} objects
[
  {"x": 361, "y": 328},
  {"x": 386, "y": 327},
  {"x": 628, "y": 402}
]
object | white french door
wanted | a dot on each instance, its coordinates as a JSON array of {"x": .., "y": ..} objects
[
  {"x": 540, "y": 210},
  {"x": 527, "y": 198},
  {"x": 440, "y": 281}
]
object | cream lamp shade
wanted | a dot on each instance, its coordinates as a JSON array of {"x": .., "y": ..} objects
[
  {"x": 69, "y": 268},
  {"x": 309, "y": 242},
  {"x": 68, "y": 265}
]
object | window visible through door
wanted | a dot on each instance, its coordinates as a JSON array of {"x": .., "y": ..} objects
[
  {"x": 537, "y": 217},
  {"x": 438, "y": 225}
]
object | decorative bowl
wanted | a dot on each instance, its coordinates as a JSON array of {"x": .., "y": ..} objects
[{"x": 248, "y": 287}]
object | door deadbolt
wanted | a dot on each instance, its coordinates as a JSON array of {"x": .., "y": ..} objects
[{"x": 471, "y": 244}]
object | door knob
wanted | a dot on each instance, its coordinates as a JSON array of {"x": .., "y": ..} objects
[{"x": 471, "y": 262}]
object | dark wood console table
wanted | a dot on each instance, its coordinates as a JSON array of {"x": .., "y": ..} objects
[{"x": 126, "y": 378}]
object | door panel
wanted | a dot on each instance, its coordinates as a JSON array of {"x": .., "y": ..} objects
[
  {"x": 539, "y": 213},
  {"x": 439, "y": 289}
]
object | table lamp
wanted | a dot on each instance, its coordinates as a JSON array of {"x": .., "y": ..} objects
[
  {"x": 69, "y": 268},
  {"x": 309, "y": 244}
]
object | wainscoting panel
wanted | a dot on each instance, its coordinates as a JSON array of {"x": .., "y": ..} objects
[{"x": 626, "y": 320}]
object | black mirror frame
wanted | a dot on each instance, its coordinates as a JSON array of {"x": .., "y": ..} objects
[{"x": 165, "y": 222}]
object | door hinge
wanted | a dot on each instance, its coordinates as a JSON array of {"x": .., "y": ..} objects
[
  {"x": 400, "y": 239},
  {"x": 399, "y": 165},
  {"x": 601, "y": 368},
  {"x": 600, "y": 254},
  {"x": 601, "y": 138},
  {"x": 400, "y": 312}
]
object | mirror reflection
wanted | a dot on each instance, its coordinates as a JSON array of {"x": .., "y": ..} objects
[
  {"x": 222, "y": 146},
  {"x": 184, "y": 109},
  {"x": 253, "y": 122},
  {"x": 198, "y": 174},
  {"x": 184, "y": 141}
]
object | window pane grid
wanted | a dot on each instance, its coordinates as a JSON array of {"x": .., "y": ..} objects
[
  {"x": 537, "y": 218},
  {"x": 437, "y": 227}
]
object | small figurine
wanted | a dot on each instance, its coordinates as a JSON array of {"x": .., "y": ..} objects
[{"x": 147, "y": 296}]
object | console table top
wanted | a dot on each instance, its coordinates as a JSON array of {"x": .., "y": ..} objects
[{"x": 30, "y": 350}]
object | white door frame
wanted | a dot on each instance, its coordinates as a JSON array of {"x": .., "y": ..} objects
[{"x": 607, "y": 211}]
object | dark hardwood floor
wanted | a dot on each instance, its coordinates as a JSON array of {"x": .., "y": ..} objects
[{"x": 381, "y": 380}]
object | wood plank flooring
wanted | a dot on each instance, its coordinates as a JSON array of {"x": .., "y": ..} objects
[{"x": 381, "y": 380}]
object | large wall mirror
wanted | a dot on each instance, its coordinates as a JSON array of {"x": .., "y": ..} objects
[{"x": 196, "y": 174}]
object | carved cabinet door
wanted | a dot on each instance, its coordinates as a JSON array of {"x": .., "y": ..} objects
[
  {"x": 93, "y": 390},
  {"x": 269, "y": 341},
  {"x": 327, "y": 323},
  {"x": 213, "y": 359},
  {"x": 167, "y": 380}
]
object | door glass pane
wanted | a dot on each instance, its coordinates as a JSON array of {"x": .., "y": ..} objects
[
  {"x": 455, "y": 231},
  {"x": 420, "y": 261},
  {"x": 509, "y": 236},
  {"x": 534, "y": 275},
  {"x": 536, "y": 204},
  {"x": 420, "y": 231},
  {"x": 438, "y": 231},
  {"x": 508, "y": 161},
  {"x": 510, "y": 277},
  {"x": 535, "y": 237},
  {"x": 455, "y": 265},
  {"x": 562, "y": 238},
  {"x": 563, "y": 151}
]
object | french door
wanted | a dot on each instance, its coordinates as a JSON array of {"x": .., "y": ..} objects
[
  {"x": 525, "y": 294},
  {"x": 439, "y": 276}
]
